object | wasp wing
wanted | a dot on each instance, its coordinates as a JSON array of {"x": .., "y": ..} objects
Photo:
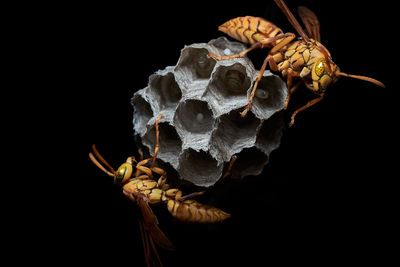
[
  {"x": 281, "y": 4},
  {"x": 150, "y": 251},
  {"x": 311, "y": 22},
  {"x": 150, "y": 224}
]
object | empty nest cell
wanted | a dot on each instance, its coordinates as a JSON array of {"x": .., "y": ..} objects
[
  {"x": 199, "y": 167},
  {"x": 170, "y": 143},
  {"x": 226, "y": 47},
  {"x": 269, "y": 136},
  {"x": 250, "y": 161},
  {"x": 142, "y": 113},
  {"x": 269, "y": 93},
  {"x": 165, "y": 89},
  {"x": 194, "y": 116},
  {"x": 234, "y": 133},
  {"x": 196, "y": 63}
]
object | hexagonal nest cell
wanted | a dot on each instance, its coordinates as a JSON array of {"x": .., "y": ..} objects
[
  {"x": 233, "y": 133},
  {"x": 270, "y": 96},
  {"x": 199, "y": 167},
  {"x": 230, "y": 81},
  {"x": 142, "y": 113},
  {"x": 194, "y": 116},
  {"x": 196, "y": 63},
  {"x": 201, "y": 100},
  {"x": 169, "y": 141},
  {"x": 250, "y": 161},
  {"x": 165, "y": 89}
]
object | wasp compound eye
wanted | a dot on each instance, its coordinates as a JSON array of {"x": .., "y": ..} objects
[{"x": 320, "y": 68}]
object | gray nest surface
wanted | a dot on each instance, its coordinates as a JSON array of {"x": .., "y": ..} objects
[{"x": 201, "y": 100}]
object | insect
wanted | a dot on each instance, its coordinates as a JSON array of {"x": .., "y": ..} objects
[
  {"x": 136, "y": 180},
  {"x": 305, "y": 58}
]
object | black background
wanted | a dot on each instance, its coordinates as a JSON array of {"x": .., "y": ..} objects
[{"x": 325, "y": 195}]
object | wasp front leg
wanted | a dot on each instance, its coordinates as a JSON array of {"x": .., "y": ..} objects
[
  {"x": 290, "y": 76},
  {"x": 309, "y": 104},
  {"x": 269, "y": 59}
]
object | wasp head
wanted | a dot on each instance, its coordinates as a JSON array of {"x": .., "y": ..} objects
[
  {"x": 124, "y": 172},
  {"x": 325, "y": 72}
]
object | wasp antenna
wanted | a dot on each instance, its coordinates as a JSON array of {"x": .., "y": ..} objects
[
  {"x": 102, "y": 159},
  {"x": 98, "y": 164},
  {"x": 364, "y": 78}
]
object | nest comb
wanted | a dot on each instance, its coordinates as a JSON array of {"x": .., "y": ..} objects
[{"x": 201, "y": 100}]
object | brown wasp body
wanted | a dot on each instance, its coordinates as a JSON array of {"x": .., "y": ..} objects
[
  {"x": 304, "y": 58},
  {"x": 139, "y": 186}
]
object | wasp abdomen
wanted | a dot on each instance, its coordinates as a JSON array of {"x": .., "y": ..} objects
[
  {"x": 191, "y": 211},
  {"x": 249, "y": 29}
]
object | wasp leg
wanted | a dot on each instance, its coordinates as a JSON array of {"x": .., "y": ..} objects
[
  {"x": 228, "y": 170},
  {"x": 290, "y": 75},
  {"x": 309, "y": 104},
  {"x": 163, "y": 176},
  {"x": 143, "y": 177},
  {"x": 191, "y": 195},
  {"x": 288, "y": 38},
  {"x": 140, "y": 151},
  {"x": 297, "y": 85},
  {"x": 267, "y": 42},
  {"x": 157, "y": 147},
  {"x": 253, "y": 91},
  {"x": 181, "y": 198},
  {"x": 143, "y": 169}
]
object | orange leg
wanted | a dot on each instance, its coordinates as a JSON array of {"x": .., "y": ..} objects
[
  {"x": 146, "y": 170},
  {"x": 163, "y": 176},
  {"x": 253, "y": 91},
  {"x": 179, "y": 196},
  {"x": 290, "y": 75},
  {"x": 192, "y": 195},
  {"x": 157, "y": 147},
  {"x": 137, "y": 173},
  {"x": 267, "y": 42},
  {"x": 309, "y": 104},
  {"x": 228, "y": 170}
]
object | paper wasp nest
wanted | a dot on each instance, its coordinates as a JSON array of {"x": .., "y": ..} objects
[{"x": 201, "y": 100}]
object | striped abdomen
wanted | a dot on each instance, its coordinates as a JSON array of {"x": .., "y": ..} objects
[
  {"x": 249, "y": 29},
  {"x": 191, "y": 211}
]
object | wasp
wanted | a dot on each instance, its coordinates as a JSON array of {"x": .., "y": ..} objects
[
  {"x": 305, "y": 58},
  {"x": 136, "y": 180}
]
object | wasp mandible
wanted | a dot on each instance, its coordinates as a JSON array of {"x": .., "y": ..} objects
[
  {"x": 136, "y": 180},
  {"x": 305, "y": 58}
]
